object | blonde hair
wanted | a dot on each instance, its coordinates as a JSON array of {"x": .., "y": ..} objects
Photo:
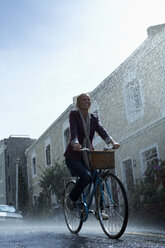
[{"x": 79, "y": 99}]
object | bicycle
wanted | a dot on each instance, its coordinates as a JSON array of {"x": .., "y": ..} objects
[{"x": 110, "y": 197}]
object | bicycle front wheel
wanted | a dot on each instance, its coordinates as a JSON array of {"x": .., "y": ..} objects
[
  {"x": 112, "y": 206},
  {"x": 72, "y": 217}
]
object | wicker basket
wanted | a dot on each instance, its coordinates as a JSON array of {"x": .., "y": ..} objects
[{"x": 102, "y": 159}]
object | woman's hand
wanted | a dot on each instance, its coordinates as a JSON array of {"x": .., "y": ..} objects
[
  {"x": 77, "y": 147},
  {"x": 115, "y": 144}
]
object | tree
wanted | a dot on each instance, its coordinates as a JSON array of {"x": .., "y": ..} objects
[{"x": 52, "y": 181}]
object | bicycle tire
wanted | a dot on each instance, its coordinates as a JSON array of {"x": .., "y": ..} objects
[
  {"x": 72, "y": 218},
  {"x": 115, "y": 207}
]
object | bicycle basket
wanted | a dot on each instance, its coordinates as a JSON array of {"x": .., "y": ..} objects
[{"x": 101, "y": 159}]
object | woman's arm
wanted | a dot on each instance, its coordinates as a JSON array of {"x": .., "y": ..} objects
[
  {"x": 105, "y": 136},
  {"x": 74, "y": 131},
  {"x": 73, "y": 128}
]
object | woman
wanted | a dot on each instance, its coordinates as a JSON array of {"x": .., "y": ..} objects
[{"x": 82, "y": 128}]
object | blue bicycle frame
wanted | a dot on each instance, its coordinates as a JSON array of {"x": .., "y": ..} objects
[{"x": 96, "y": 180}]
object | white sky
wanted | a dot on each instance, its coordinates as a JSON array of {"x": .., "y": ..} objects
[{"x": 52, "y": 50}]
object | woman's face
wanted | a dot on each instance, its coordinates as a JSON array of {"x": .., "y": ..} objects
[{"x": 85, "y": 102}]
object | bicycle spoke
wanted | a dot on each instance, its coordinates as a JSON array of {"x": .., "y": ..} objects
[
  {"x": 72, "y": 217},
  {"x": 113, "y": 202}
]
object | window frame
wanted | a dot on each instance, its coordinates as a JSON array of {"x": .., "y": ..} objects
[
  {"x": 143, "y": 167},
  {"x": 48, "y": 143},
  {"x": 131, "y": 87},
  {"x": 48, "y": 155},
  {"x": 124, "y": 173},
  {"x": 66, "y": 135},
  {"x": 34, "y": 170}
]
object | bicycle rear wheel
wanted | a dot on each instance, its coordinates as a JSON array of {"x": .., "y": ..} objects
[
  {"x": 72, "y": 217},
  {"x": 112, "y": 206}
]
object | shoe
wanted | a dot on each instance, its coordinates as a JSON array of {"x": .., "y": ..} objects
[
  {"x": 71, "y": 205},
  {"x": 104, "y": 215}
]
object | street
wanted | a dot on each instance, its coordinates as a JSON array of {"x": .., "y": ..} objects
[{"x": 53, "y": 233}]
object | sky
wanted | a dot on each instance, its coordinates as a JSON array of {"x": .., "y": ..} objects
[{"x": 53, "y": 50}]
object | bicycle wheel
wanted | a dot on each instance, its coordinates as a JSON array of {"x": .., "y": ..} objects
[
  {"x": 72, "y": 217},
  {"x": 112, "y": 206}
]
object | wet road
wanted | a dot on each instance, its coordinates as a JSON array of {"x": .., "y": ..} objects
[{"x": 48, "y": 235}]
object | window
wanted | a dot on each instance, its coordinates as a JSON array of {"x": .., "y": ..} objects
[
  {"x": 48, "y": 155},
  {"x": 128, "y": 174},
  {"x": 33, "y": 166},
  {"x": 149, "y": 157},
  {"x": 133, "y": 100},
  {"x": 9, "y": 183},
  {"x": 48, "y": 152},
  {"x": 66, "y": 136},
  {"x": 134, "y": 97}
]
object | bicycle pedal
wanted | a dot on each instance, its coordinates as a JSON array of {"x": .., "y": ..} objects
[{"x": 91, "y": 211}]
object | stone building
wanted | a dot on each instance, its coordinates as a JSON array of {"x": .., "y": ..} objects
[
  {"x": 12, "y": 164},
  {"x": 131, "y": 106}
]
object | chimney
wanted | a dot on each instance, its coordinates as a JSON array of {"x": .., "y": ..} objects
[
  {"x": 74, "y": 100},
  {"x": 153, "y": 30}
]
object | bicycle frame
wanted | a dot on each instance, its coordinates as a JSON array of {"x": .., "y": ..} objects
[
  {"x": 96, "y": 182},
  {"x": 111, "y": 204}
]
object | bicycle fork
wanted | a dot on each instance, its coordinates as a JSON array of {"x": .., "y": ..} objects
[
  {"x": 106, "y": 204},
  {"x": 86, "y": 209}
]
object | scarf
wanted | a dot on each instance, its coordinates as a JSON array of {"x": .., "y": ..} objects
[{"x": 86, "y": 140}]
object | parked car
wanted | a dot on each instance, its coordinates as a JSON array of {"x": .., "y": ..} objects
[{"x": 9, "y": 213}]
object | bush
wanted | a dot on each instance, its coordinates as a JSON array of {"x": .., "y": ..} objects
[
  {"x": 52, "y": 179},
  {"x": 51, "y": 182}
]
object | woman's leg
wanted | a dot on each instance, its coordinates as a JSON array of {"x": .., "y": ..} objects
[{"x": 78, "y": 168}]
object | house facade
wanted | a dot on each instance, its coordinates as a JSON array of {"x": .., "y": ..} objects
[
  {"x": 46, "y": 151},
  {"x": 131, "y": 106}
]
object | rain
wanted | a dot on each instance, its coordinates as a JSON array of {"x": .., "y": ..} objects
[{"x": 128, "y": 97}]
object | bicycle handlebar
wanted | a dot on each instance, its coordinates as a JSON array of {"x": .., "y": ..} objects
[
  {"x": 84, "y": 149},
  {"x": 107, "y": 148}
]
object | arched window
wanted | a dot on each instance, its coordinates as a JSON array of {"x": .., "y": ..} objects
[{"x": 133, "y": 100}]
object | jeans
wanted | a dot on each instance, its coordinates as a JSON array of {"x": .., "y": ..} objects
[{"x": 78, "y": 168}]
